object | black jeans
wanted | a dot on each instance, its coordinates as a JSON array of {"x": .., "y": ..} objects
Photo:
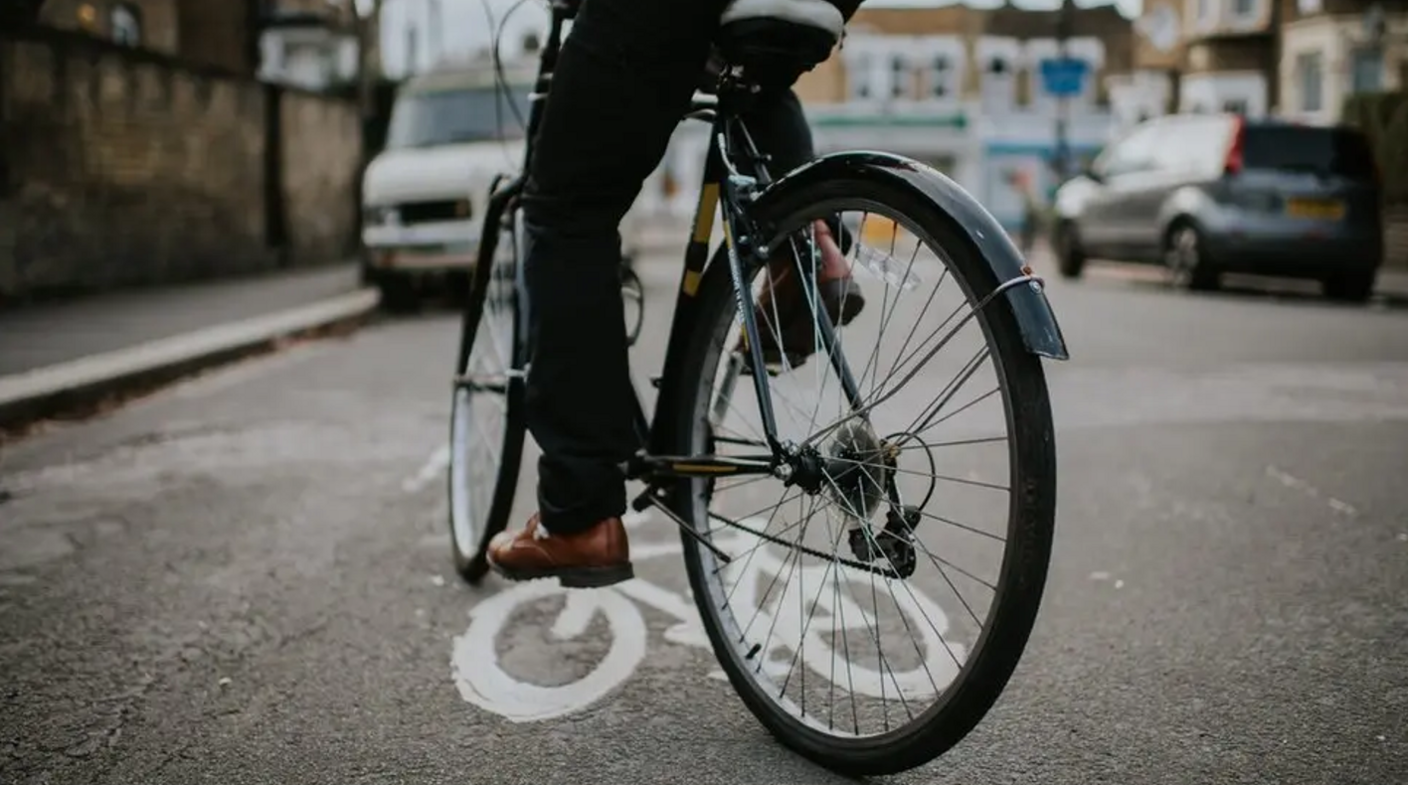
[{"x": 623, "y": 81}]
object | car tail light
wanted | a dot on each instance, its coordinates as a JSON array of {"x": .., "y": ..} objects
[{"x": 1232, "y": 164}]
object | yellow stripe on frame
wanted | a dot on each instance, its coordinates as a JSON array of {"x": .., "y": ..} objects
[
  {"x": 701, "y": 467},
  {"x": 691, "y": 282},
  {"x": 704, "y": 223}
]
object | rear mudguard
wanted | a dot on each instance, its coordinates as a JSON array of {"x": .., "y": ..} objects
[{"x": 1040, "y": 332}]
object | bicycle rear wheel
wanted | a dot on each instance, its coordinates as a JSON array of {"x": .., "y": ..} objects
[
  {"x": 487, "y": 419},
  {"x": 788, "y": 652}
]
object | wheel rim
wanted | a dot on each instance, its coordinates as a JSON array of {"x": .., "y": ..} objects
[
  {"x": 479, "y": 416},
  {"x": 884, "y": 685},
  {"x": 1183, "y": 255}
]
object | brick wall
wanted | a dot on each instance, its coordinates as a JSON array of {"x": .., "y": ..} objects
[
  {"x": 319, "y": 174},
  {"x": 121, "y": 167}
]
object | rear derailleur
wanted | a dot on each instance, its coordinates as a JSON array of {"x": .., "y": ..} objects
[{"x": 894, "y": 542}]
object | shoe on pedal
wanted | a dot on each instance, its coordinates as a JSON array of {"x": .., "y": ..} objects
[
  {"x": 782, "y": 307},
  {"x": 598, "y": 556}
]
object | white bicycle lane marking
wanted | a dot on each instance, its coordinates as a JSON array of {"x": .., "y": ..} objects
[{"x": 483, "y": 682}]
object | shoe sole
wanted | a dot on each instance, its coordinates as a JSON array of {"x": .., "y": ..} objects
[{"x": 571, "y": 577}]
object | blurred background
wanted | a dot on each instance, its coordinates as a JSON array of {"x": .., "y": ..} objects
[
  {"x": 155, "y": 141},
  {"x": 236, "y": 571}
]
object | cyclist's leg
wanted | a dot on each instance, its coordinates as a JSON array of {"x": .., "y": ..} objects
[{"x": 623, "y": 80}]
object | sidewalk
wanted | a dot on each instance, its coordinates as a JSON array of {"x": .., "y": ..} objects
[{"x": 65, "y": 354}]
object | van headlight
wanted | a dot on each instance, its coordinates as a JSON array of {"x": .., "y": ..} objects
[{"x": 379, "y": 215}]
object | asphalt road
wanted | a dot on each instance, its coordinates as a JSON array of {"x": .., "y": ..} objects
[{"x": 245, "y": 579}]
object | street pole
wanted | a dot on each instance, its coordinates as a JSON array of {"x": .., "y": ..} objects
[{"x": 1064, "y": 20}]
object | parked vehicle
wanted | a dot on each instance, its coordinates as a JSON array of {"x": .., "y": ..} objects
[
  {"x": 452, "y": 132},
  {"x": 1212, "y": 194}
]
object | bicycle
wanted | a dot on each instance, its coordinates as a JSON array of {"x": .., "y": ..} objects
[{"x": 857, "y": 463}]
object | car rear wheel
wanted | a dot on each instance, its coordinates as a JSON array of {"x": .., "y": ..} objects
[
  {"x": 398, "y": 291},
  {"x": 1188, "y": 264},
  {"x": 1350, "y": 287}
]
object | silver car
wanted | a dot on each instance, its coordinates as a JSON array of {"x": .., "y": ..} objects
[{"x": 1208, "y": 194}]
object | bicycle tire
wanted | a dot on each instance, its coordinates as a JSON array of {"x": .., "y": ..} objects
[
  {"x": 469, "y": 557},
  {"x": 1031, "y": 510}
]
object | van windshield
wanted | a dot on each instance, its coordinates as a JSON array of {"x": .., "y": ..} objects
[
  {"x": 1325, "y": 151},
  {"x": 452, "y": 116}
]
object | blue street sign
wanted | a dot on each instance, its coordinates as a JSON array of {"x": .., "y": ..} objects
[{"x": 1063, "y": 76}]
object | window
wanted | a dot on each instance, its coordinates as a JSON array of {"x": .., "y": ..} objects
[
  {"x": 1176, "y": 144},
  {"x": 1309, "y": 6},
  {"x": 1367, "y": 75},
  {"x": 939, "y": 74},
  {"x": 1133, "y": 153},
  {"x": 1243, "y": 9},
  {"x": 998, "y": 84},
  {"x": 858, "y": 77},
  {"x": 452, "y": 116},
  {"x": 1311, "y": 77},
  {"x": 126, "y": 22},
  {"x": 1204, "y": 10},
  {"x": 1338, "y": 151},
  {"x": 901, "y": 80},
  {"x": 1235, "y": 105}
]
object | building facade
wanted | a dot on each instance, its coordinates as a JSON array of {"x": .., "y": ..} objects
[
  {"x": 1231, "y": 57},
  {"x": 960, "y": 88},
  {"x": 310, "y": 44},
  {"x": 1150, "y": 88},
  {"x": 1292, "y": 59},
  {"x": 218, "y": 35},
  {"x": 1332, "y": 49}
]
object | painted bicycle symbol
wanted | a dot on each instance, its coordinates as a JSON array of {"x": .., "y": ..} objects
[{"x": 483, "y": 682}]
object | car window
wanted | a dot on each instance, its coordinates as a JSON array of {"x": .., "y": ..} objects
[
  {"x": 1173, "y": 149},
  {"x": 1133, "y": 153},
  {"x": 1193, "y": 145},
  {"x": 1291, "y": 148},
  {"x": 450, "y": 116}
]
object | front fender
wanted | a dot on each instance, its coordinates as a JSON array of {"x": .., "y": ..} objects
[{"x": 969, "y": 219}]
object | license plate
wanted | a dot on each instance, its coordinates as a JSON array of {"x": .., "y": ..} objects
[{"x": 1323, "y": 209}]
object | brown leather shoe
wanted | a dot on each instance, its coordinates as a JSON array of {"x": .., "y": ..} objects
[
  {"x": 599, "y": 556},
  {"x": 782, "y": 307}
]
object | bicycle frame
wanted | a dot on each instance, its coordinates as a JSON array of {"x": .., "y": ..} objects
[{"x": 734, "y": 172}]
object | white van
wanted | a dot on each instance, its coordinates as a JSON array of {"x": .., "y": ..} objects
[{"x": 452, "y": 131}]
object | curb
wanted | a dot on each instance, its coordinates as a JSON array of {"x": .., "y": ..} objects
[{"x": 88, "y": 381}]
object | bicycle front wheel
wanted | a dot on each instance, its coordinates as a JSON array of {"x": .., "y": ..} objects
[
  {"x": 875, "y": 605},
  {"x": 487, "y": 419}
]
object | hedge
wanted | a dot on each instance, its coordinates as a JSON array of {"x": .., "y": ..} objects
[{"x": 1383, "y": 117}]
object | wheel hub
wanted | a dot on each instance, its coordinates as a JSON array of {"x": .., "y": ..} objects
[{"x": 855, "y": 469}]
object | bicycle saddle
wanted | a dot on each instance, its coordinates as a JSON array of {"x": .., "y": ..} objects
[{"x": 777, "y": 40}]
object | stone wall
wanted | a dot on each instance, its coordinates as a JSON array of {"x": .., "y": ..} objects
[
  {"x": 122, "y": 167},
  {"x": 321, "y": 144}
]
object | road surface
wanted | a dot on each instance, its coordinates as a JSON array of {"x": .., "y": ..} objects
[{"x": 245, "y": 578}]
